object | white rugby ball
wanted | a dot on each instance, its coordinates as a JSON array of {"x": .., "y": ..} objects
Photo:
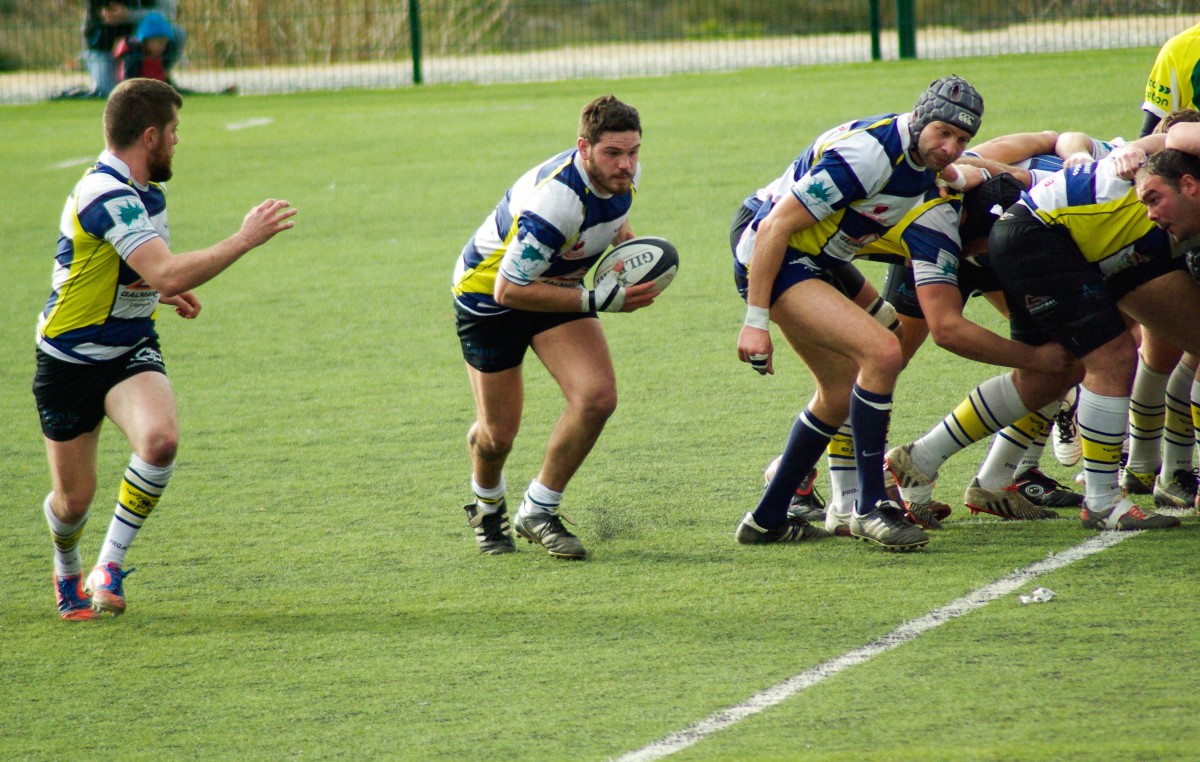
[{"x": 640, "y": 260}]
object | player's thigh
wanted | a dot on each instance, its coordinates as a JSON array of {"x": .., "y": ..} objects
[
  {"x": 1168, "y": 306},
  {"x": 576, "y": 354},
  {"x": 814, "y": 314},
  {"x": 143, "y": 407},
  {"x": 1110, "y": 367}
]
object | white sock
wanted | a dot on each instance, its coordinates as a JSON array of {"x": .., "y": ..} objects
[
  {"x": 1102, "y": 424},
  {"x": 141, "y": 488},
  {"x": 541, "y": 499},
  {"x": 67, "y": 560},
  {"x": 1178, "y": 442},
  {"x": 1147, "y": 406},
  {"x": 990, "y": 407},
  {"x": 843, "y": 473},
  {"x": 488, "y": 499}
]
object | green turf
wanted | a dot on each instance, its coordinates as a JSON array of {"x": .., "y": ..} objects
[{"x": 309, "y": 587}]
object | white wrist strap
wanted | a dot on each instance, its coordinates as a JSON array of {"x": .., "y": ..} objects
[{"x": 758, "y": 317}]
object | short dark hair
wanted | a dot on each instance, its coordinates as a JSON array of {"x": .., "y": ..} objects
[
  {"x": 1171, "y": 164},
  {"x": 136, "y": 105},
  {"x": 607, "y": 114}
]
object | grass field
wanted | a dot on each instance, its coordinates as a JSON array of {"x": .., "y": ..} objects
[{"x": 309, "y": 588}]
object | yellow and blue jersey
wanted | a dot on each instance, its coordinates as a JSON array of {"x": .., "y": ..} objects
[
  {"x": 550, "y": 227},
  {"x": 928, "y": 236},
  {"x": 1101, "y": 212},
  {"x": 99, "y": 308},
  {"x": 858, "y": 180},
  {"x": 1175, "y": 78}
]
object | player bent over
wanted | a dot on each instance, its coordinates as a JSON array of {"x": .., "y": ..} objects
[
  {"x": 97, "y": 350},
  {"x": 518, "y": 284},
  {"x": 1076, "y": 256},
  {"x": 849, "y": 187}
]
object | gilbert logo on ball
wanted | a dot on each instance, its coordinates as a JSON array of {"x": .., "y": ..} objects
[{"x": 640, "y": 260}]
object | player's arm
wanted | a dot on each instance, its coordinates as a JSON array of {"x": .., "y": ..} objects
[
  {"x": 993, "y": 168},
  {"x": 543, "y": 297},
  {"x": 786, "y": 218},
  {"x": 1018, "y": 146},
  {"x": 1184, "y": 136},
  {"x": 173, "y": 274},
  {"x": 1074, "y": 148},
  {"x": 942, "y": 305},
  {"x": 1150, "y": 123},
  {"x": 1129, "y": 157}
]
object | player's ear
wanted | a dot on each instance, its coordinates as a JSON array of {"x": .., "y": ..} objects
[
  {"x": 151, "y": 136},
  {"x": 583, "y": 146},
  {"x": 1190, "y": 185}
]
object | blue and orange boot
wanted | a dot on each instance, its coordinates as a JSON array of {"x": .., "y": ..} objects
[
  {"x": 74, "y": 605},
  {"x": 106, "y": 585}
]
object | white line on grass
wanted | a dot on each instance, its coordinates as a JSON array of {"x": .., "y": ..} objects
[
  {"x": 904, "y": 633},
  {"x": 74, "y": 162},
  {"x": 257, "y": 121}
]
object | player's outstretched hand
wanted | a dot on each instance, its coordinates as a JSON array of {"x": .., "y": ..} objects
[
  {"x": 641, "y": 295},
  {"x": 267, "y": 219}
]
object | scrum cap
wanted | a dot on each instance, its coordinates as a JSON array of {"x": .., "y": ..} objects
[{"x": 952, "y": 100}]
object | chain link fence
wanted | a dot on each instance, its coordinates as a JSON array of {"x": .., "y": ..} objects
[{"x": 273, "y": 46}]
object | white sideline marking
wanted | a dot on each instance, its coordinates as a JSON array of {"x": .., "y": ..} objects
[
  {"x": 74, "y": 162},
  {"x": 258, "y": 121},
  {"x": 904, "y": 633}
]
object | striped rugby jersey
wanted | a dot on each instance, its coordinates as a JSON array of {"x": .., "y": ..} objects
[
  {"x": 929, "y": 236},
  {"x": 1102, "y": 213},
  {"x": 858, "y": 180},
  {"x": 99, "y": 308},
  {"x": 550, "y": 227}
]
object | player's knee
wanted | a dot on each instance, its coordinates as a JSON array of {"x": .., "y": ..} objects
[
  {"x": 598, "y": 406},
  {"x": 489, "y": 443},
  {"x": 886, "y": 358},
  {"x": 160, "y": 448},
  {"x": 73, "y": 503}
]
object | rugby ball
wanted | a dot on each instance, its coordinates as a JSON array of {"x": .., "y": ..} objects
[{"x": 640, "y": 260}]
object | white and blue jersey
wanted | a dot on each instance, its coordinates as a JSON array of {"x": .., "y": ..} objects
[
  {"x": 858, "y": 180},
  {"x": 929, "y": 237},
  {"x": 550, "y": 227},
  {"x": 99, "y": 308}
]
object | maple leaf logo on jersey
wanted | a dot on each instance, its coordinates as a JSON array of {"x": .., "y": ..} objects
[
  {"x": 130, "y": 213},
  {"x": 530, "y": 261},
  {"x": 819, "y": 191}
]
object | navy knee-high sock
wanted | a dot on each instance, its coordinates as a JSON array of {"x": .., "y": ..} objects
[
  {"x": 870, "y": 415},
  {"x": 806, "y": 444}
]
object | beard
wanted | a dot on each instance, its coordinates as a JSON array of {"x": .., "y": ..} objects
[
  {"x": 160, "y": 168},
  {"x": 612, "y": 184}
]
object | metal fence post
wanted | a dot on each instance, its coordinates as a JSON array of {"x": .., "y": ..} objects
[
  {"x": 414, "y": 33},
  {"x": 906, "y": 28},
  {"x": 875, "y": 25}
]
